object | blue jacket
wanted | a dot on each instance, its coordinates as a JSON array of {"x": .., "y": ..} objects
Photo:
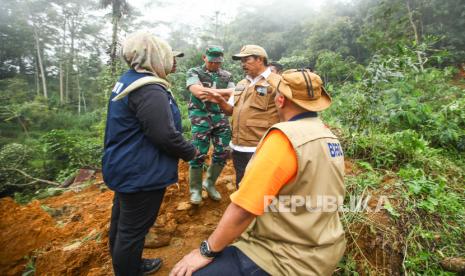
[{"x": 134, "y": 160}]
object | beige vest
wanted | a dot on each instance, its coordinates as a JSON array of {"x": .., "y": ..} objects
[
  {"x": 303, "y": 242},
  {"x": 254, "y": 111}
]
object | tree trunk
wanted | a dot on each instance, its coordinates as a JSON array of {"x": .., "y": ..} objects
[
  {"x": 23, "y": 125},
  {"x": 79, "y": 98},
  {"x": 40, "y": 63},
  {"x": 67, "y": 82},
  {"x": 415, "y": 31},
  {"x": 71, "y": 60},
  {"x": 81, "y": 92},
  {"x": 62, "y": 92},
  {"x": 114, "y": 42},
  {"x": 78, "y": 86},
  {"x": 37, "y": 77},
  {"x": 62, "y": 57}
]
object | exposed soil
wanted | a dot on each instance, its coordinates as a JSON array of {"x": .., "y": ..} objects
[{"x": 68, "y": 234}]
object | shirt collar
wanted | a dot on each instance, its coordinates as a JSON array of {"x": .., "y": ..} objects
[
  {"x": 308, "y": 114},
  {"x": 264, "y": 75}
]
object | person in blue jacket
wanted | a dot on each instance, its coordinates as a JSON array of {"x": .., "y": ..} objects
[{"x": 143, "y": 144}]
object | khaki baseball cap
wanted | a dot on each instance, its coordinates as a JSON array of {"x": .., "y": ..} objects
[
  {"x": 305, "y": 89},
  {"x": 250, "y": 50}
]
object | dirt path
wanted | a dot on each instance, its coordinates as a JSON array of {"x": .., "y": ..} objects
[{"x": 68, "y": 234}]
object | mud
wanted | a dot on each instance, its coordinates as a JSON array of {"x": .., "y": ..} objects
[{"x": 68, "y": 234}]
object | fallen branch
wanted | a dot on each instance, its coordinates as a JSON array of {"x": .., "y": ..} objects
[
  {"x": 31, "y": 177},
  {"x": 20, "y": 184}
]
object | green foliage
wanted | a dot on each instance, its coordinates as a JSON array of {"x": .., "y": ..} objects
[
  {"x": 401, "y": 120},
  {"x": 13, "y": 156},
  {"x": 388, "y": 150},
  {"x": 400, "y": 97},
  {"x": 296, "y": 61},
  {"x": 30, "y": 268},
  {"x": 66, "y": 151},
  {"x": 333, "y": 68},
  {"x": 434, "y": 209},
  {"x": 394, "y": 104}
]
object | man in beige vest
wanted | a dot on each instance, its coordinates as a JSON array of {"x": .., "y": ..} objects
[
  {"x": 252, "y": 106},
  {"x": 285, "y": 215}
]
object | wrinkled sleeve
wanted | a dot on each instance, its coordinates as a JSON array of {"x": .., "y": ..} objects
[
  {"x": 231, "y": 85},
  {"x": 192, "y": 77},
  {"x": 151, "y": 106}
]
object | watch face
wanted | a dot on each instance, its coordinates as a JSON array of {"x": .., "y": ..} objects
[{"x": 204, "y": 250}]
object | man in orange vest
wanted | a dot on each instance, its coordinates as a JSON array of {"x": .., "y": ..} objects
[{"x": 285, "y": 215}]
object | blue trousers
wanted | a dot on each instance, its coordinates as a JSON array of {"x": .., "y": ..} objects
[{"x": 231, "y": 262}]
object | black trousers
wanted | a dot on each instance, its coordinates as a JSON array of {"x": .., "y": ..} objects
[
  {"x": 240, "y": 161},
  {"x": 132, "y": 216}
]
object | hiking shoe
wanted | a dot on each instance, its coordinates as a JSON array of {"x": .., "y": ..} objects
[{"x": 150, "y": 266}]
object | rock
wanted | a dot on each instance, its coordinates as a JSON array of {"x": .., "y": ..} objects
[
  {"x": 177, "y": 242},
  {"x": 183, "y": 206},
  {"x": 76, "y": 217},
  {"x": 204, "y": 194},
  {"x": 103, "y": 188},
  {"x": 68, "y": 182},
  {"x": 456, "y": 264},
  {"x": 84, "y": 175},
  {"x": 156, "y": 240},
  {"x": 56, "y": 212},
  {"x": 231, "y": 187},
  {"x": 73, "y": 246}
]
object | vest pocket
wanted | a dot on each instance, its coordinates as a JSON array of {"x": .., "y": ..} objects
[
  {"x": 260, "y": 101},
  {"x": 255, "y": 129}
]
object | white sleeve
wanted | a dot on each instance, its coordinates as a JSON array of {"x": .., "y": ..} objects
[
  {"x": 231, "y": 100},
  {"x": 231, "y": 85}
]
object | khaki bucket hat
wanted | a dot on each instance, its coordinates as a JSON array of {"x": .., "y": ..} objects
[
  {"x": 305, "y": 89},
  {"x": 178, "y": 54}
]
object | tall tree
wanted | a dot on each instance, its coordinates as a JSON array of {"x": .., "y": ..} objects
[
  {"x": 118, "y": 9},
  {"x": 415, "y": 31}
]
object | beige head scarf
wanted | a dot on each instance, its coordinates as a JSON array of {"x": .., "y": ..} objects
[{"x": 147, "y": 53}]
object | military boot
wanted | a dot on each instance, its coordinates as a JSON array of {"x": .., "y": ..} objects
[
  {"x": 195, "y": 185},
  {"x": 209, "y": 184}
]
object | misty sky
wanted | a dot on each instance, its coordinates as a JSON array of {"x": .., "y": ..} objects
[{"x": 194, "y": 12}]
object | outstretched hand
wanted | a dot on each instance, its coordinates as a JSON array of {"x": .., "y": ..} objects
[
  {"x": 214, "y": 97},
  {"x": 190, "y": 263}
]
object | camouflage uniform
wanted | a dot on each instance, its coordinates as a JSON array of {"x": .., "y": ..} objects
[{"x": 207, "y": 119}]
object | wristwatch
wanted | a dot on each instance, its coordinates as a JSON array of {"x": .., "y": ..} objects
[{"x": 206, "y": 251}]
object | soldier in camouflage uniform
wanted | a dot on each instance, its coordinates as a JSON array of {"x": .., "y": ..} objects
[{"x": 208, "y": 122}]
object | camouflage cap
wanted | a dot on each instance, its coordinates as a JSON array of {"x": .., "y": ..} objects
[
  {"x": 250, "y": 50},
  {"x": 214, "y": 53}
]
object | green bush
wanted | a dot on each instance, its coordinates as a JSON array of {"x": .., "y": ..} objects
[
  {"x": 14, "y": 156},
  {"x": 66, "y": 151}
]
